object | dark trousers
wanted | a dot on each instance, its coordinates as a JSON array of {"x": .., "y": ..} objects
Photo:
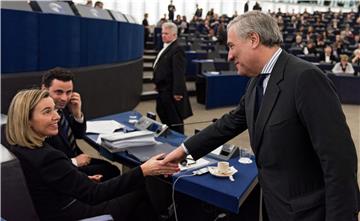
[
  {"x": 102, "y": 167},
  {"x": 166, "y": 109},
  {"x": 132, "y": 206}
]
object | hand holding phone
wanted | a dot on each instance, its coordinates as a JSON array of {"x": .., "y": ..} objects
[{"x": 74, "y": 105}]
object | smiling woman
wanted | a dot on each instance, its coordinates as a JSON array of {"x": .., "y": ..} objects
[
  {"x": 58, "y": 189},
  {"x": 21, "y": 117}
]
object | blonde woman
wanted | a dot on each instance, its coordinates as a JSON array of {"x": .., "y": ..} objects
[
  {"x": 58, "y": 189},
  {"x": 343, "y": 67}
]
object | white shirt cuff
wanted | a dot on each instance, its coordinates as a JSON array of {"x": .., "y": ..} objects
[
  {"x": 184, "y": 148},
  {"x": 81, "y": 119},
  {"x": 73, "y": 160}
]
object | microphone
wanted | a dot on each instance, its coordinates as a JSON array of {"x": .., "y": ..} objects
[{"x": 195, "y": 122}]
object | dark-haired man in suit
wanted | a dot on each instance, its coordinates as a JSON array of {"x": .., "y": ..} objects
[
  {"x": 306, "y": 158},
  {"x": 72, "y": 125},
  {"x": 172, "y": 102}
]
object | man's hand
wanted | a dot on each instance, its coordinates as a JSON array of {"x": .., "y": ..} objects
[
  {"x": 82, "y": 160},
  {"x": 75, "y": 105},
  {"x": 175, "y": 156},
  {"x": 96, "y": 177},
  {"x": 178, "y": 97}
]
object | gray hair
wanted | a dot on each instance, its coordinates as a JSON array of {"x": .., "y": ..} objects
[
  {"x": 356, "y": 51},
  {"x": 257, "y": 22},
  {"x": 171, "y": 26}
]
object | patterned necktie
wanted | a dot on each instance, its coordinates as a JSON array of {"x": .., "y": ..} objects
[
  {"x": 66, "y": 131},
  {"x": 259, "y": 92}
]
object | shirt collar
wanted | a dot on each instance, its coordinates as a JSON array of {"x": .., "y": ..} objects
[
  {"x": 168, "y": 44},
  {"x": 271, "y": 63}
]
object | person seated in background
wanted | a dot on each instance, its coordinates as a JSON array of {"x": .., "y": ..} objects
[
  {"x": 310, "y": 49},
  {"x": 298, "y": 42},
  {"x": 59, "y": 83},
  {"x": 343, "y": 67},
  {"x": 183, "y": 25},
  {"x": 99, "y": 5},
  {"x": 88, "y": 3},
  {"x": 327, "y": 56},
  {"x": 58, "y": 189},
  {"x": 356, "y": 57}
]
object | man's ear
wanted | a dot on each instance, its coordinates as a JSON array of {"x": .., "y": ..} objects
[{"x": 255, "y": 39}]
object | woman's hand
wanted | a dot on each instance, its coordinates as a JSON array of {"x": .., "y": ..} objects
[{"x": 154, "y": 166}]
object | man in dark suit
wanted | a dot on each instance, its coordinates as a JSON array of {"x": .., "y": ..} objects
[
  {"x": 305, "y": 155},
  {"x": 198, "y": 12},
  {"x": 246, "y": 7},
  {"x": 59, "y": 83},
  {"x": 172, "y": 102},
  {"x": 171, "y": 10}
]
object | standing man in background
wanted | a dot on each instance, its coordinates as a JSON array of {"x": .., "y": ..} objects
[
  {"x": 198, "y": 12},
  {"x": 246, "y": 7},
  {"x": 306, "y": 158},
  {"x": 72, "y": 124},
  {"x": 171, "y": 10},
  {"x": 172, "y": 102},
  {"x": 145, "y": 23}
]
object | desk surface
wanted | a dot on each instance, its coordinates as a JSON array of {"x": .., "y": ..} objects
[
  {"x": 173, "y": 138},
  {"x": 220, "y": 192}
]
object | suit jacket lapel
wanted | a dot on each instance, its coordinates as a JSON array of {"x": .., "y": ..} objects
[
  {"x": 164, "y": 52},
  {"x": 250, "y": 107},
  {"x": 269, "y": 100}
]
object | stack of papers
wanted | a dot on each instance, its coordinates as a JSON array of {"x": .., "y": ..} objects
[
  {"x": 103, "y": 126},
  {"x": 121, "y": 141}
]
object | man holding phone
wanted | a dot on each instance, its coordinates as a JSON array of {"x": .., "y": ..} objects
[{"x": 72, "y": 125}]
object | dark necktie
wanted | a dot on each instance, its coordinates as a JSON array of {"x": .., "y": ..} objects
[
  {"x": 66, "y": 131},
  {"x": 259, "y": 93}
]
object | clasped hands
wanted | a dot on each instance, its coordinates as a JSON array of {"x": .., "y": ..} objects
[{"x": 163, "y": 165}]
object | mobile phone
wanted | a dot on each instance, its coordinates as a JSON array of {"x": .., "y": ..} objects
[{"x": 200, "y": 171}]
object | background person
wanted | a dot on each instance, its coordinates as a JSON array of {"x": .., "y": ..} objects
[
  {"x": 171, "y": 10},
  {"x": 344, "y": 66},
  {"x": 172, "y": 102}
]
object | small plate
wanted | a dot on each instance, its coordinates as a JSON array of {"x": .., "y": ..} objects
[
  {"x": 245, "y": 160},
  {"x": 214, "y": 171}
]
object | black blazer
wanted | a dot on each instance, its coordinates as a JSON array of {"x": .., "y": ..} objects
[
  {"x": 304, "y": 151},
  {"x": 61, "y": 142},
  {"x": 55, "y": 184},
  {"x": 169, "y": 76}
]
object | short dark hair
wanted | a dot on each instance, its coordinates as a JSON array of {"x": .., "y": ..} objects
[
  {"x": 98, "y": 3},
  {"x": 57, "y": 73}
]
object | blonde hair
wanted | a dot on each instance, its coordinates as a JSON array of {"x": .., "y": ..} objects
[
  {"x": 344, "y": 57},
  {"x": 18, "y": 130}
]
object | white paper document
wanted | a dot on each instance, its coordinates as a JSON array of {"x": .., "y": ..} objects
[{"x": 103, "y": 126}]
